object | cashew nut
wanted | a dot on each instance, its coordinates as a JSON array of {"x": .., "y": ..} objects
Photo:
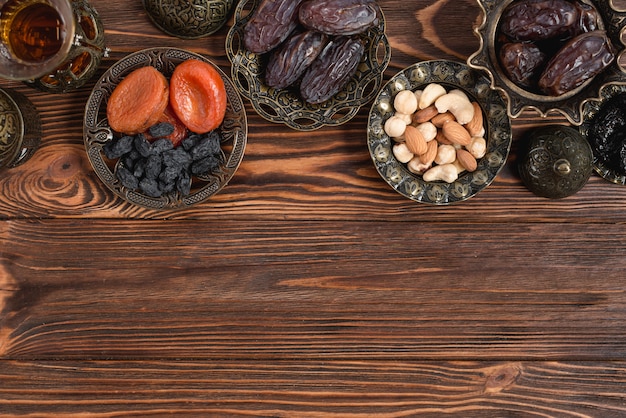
[
  {"x": 417, "y": 167},
  {"x": 395, "y": 127},
  {"x": 460, "y": 107},
  {"x": 444, "y": 172},
  {"x": 402, "y": 153},
  {"x": 430, "y": 94},
  {"x": 405, "y": 102}
]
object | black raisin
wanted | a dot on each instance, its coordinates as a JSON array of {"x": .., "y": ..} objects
[
  {"x": 126, "y": 177},
  {"x": 177, "y": 157},
  {"x": 161, "y": 130},
  {"x": 184, "y": 183},
  {"x": 161, "y": 145},
  {"x": 142, "y": 145},
  {"x": 150, "y": 187},
  {"x": 118, "y": 147},
  {"x": 205, "y": 165},
  {"x": 153, "y": 166}
]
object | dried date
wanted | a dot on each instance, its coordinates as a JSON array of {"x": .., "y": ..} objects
[
  {"x": 272, "y": 22},
  {"x": 340, "y": 17},
  {"x": 522, "y": 62},
  {"x": 582, "y": 58},
  {"x": 332, "y": 69},
  {"x": 538, "y": 20},
  {"x": 288, "y": 62}
]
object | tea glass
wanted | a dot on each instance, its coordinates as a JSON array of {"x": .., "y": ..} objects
[{"x": 52, "y": 45}]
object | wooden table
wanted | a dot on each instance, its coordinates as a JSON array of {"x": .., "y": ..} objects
[{"x": 307, "y": 287}]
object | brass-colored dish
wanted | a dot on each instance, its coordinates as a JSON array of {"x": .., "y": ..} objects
[
  {"x": 451, "y": 75},
  {"x": 569, "y": 104},
  {"x": 188, "y": 19},
  {"x": 589, "y": 112},
  {"x": 285, "y": 105},
  {"x": 97, "y": 132}
]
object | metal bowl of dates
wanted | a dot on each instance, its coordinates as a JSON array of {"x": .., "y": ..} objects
[
  {"x": 312, "y": 104},
  {"x": 551, "y": 56},
  {"x": 188, "y": 19},
  {"x": 230, "y": 137},
  {"x": 455, "y": 78},
  {"x": 604, "y": 126}
]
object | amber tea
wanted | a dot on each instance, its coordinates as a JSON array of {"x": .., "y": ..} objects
[{"x": 33, "y": 31}]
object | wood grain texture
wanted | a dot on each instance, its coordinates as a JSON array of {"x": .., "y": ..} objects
[
  {"x": 307, "y": 287},
  {"x": 310, "y": 389}
]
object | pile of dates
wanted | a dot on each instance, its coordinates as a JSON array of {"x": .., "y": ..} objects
[
  {"x": 551, "y": 47},
  {"x": 312, "y": 45}
]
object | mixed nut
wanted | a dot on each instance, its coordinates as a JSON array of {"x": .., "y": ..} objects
[{"x": 438, "y": 133}]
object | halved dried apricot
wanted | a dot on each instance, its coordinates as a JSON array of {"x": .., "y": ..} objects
[
  {"x": 198, "y": 95},
  {"x": 138, "y": 101}
]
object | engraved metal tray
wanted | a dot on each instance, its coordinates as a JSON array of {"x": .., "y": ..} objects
[
  {"x": 569, "y": 104},
  {"x": 97, "y": 132},
  {"x": 451, "y": 75},
  {"x": 285, "y": 105}
]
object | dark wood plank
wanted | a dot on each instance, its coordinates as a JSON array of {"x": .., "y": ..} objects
[
  {"x": 309, "y": 289},
  {"x": 310, "y": 388}
]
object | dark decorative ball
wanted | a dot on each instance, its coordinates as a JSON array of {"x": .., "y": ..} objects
[{"x": 188, "y": 19}]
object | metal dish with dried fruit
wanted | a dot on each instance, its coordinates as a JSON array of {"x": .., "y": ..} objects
[
  {"x": 288, "y": 104},
  {"x": 113, "y": 154}
]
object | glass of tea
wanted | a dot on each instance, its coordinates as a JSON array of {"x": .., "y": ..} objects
[{"x": 53, "y": 45}]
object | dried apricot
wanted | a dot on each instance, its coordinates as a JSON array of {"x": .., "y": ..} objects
[
  {"x": 198, "y": 96},
  {"x": 138, "y": 101}
]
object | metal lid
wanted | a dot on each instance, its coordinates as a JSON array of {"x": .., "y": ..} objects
[
  {"x": 20, "y": 128},
  {"x": 188, "y": 19},
  {"x": 557, "y": 161}
]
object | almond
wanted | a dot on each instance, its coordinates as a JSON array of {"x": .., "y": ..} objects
[
  {"x": 475, "y": 126},
  {"x": 424, "y": 115},
  {"x": 440, "y": 119},
  {"x": 428, "y": 157},
  {"x": 415, "y": 140},
  {"x": 456, "y": 133},
  {"x": 466, "y": 159}
]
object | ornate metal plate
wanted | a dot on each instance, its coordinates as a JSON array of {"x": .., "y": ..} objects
[
  {"x": 589, "y": 112},
  {"x": 451, "y": 75},
  {"x": 286, "y": 106},
  {"x": 97, "y": 132},
  {"x": 570, "y": 104}
]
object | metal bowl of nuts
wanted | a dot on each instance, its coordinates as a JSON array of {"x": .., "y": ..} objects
[
  {"x": 302, "y": 70},
  {"x": 154, "y": 155},
  {"x": 551, "y": 56},
  {"x": 438, "y": 133}
]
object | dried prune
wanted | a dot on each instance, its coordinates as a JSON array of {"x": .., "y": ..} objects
[
  {"x": 538, "y": 20},
  {"x": 522, "y": 62},
  {"x": 607, "y": 132},
  {"x": 270, "y": 24},
  {"x": 288, "y": 62},
  {"x": 580, "y": 59},
  {"x": 340, "y": 17},
  {"x": 332, "y": 69}
]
